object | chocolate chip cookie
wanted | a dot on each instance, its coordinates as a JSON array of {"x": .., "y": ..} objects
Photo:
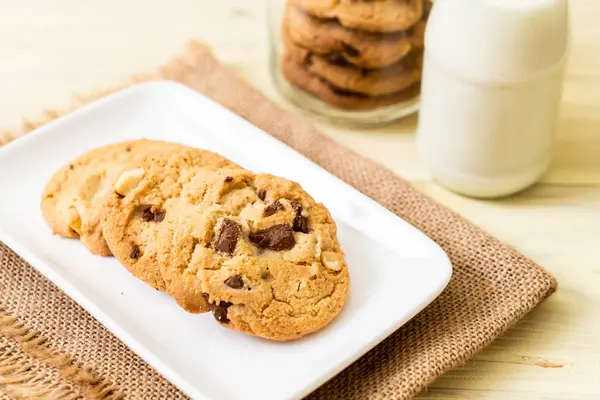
[
  {"x": 72, "y": 199},
  {"x": 143, "y": 198},
  {"x": 373, "y": 82},
  {"x": 364, "y": 49},
  {"x": 367, "y": 15},
  {"x": 299, "y": 76},
  {"x": 264, "y": 254}
]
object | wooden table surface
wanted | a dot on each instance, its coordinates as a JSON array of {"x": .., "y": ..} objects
[{"x": 52, "y": 48}]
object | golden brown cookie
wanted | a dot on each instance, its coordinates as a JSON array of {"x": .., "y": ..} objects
[
  {"x": 143, "y": 196},
  {"x": 364, "y": 49},
  {"x": 262, "y": 251},
  {"x": 367, "y": 15},
  {"x": 72, "y": 199},
  {"x": 299, "y": 76},
  {"x": 373, "y": 82}
]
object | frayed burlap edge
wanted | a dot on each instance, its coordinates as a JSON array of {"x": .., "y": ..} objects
[{"x": 20, "y": 377}]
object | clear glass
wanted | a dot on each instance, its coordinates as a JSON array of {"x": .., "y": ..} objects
[{"x": 349, "y": 61}]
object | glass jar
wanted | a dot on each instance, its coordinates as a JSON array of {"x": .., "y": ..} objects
[{"x": 356, "y": 61}]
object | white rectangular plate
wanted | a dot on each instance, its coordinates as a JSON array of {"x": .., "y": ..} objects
[{"x": 395, "y": 269}]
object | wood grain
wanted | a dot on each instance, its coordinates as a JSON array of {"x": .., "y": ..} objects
[{"x": 50, "y": 49}]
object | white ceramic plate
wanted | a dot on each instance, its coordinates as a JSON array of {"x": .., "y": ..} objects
[{"x": 395, "y": 269}]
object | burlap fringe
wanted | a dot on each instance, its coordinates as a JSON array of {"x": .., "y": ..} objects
[{"x": 22, "y": 379}]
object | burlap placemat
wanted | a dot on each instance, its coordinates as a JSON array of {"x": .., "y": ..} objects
[{"x": 51, "y": 348}]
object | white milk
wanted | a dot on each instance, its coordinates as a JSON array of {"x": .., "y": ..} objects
[{"x": 491, "y": 92}]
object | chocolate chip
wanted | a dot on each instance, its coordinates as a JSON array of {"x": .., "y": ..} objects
[
  {"x": 148, "y": 215},
  {"x": 313, "y": 277},
  {"x": 146, "y": 212},
  {"x": 351, "y": 51},
  {"x": 337, "y": 59},
  {"x": 159, "y": 215},
  {"x": 71, "y": 166},
  {"x": 262, "y": 193},
  {"x": 277, "y": 237},
  {"x": 228, "y": 236},
  {"x": 228, "y": 178},
  {"x": 273, "y": 208},
  {"x": 135, "y": 251},
  {"x": 128, "y": 149},
  {"x": 220, "y": 311},
  {"x": 300, "y": 222},
  {"x": 235, "y": 282}
]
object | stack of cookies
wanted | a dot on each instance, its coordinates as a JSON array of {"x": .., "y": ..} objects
[
  {"x": 355, "y": 54},
  {"x": 254, "y": 249}
]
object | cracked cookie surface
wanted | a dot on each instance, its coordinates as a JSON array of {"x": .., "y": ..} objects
[
  {"x": 262, "y": 252},
  {"x": 72, "y": 199}
]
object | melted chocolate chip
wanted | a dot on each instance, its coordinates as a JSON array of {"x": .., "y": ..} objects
[
  {"x": 262, "y": 193},
  {"x": 159, "y": 215},
  {"x": 228, "y": 178},
  {"x": 350, "y": 50},
  {"x": 228, "y": 236},
  {"x": 273, "y": 208},
  {"x": 235, "y": 282},
  {"x": 337, "y": 59},
  {"x": 277, "y": 237},
  {"x": 219, "y": 311},
  {"x": 135, "y": 251}
]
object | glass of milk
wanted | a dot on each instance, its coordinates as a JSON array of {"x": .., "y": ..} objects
[{"x": 491, "y": 91}]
